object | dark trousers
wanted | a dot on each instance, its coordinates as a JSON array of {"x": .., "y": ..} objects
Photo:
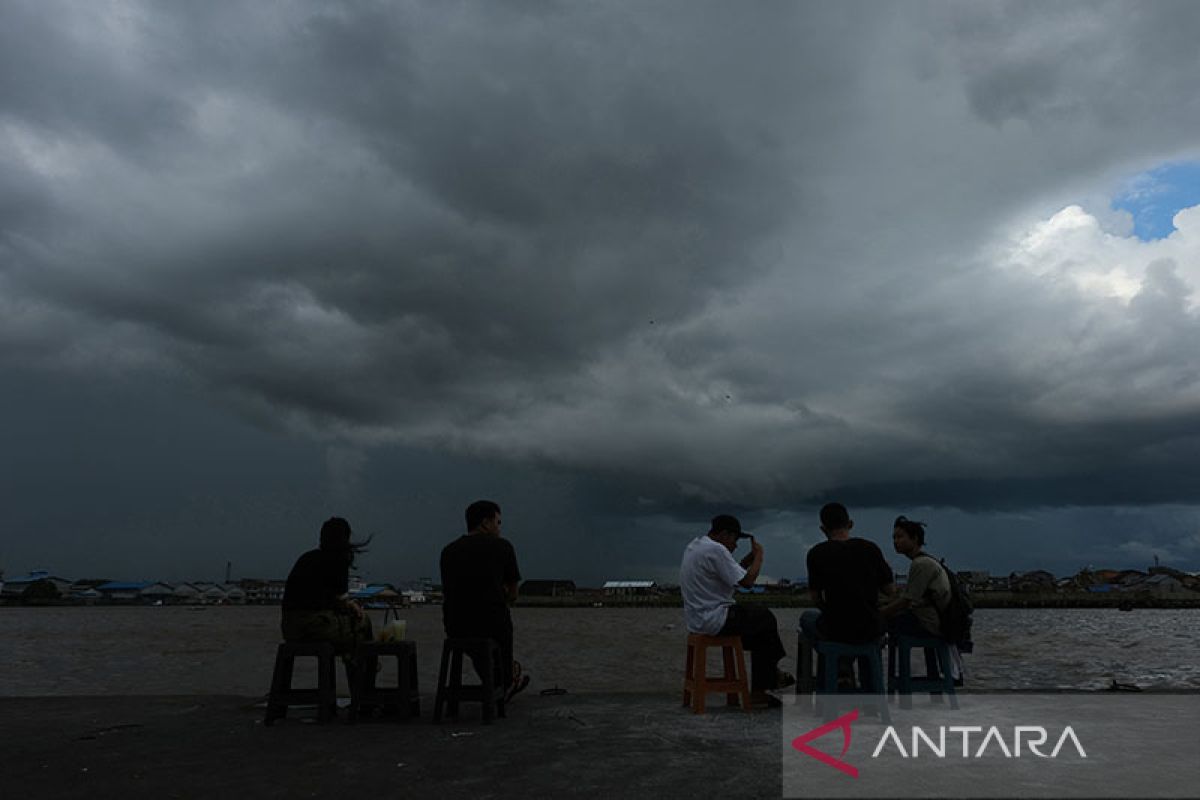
[
  {"x": 501, "y": 634},
  {"x": 760, "y": 635},
  {"x": 810, "y": 630},
  {"x": 906, "y": 624}
]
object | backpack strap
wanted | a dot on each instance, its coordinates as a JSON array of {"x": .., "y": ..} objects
[{"x": 945, "y": 570}]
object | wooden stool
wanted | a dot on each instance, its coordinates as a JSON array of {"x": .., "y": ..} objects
[
  {"x": 404, "y": 696},
  {"x": 696, "y": 681},
  {"x": 283, "y": 695},
  {"x": 938, "y": 680},
  {"x": 450, "y": 690}
]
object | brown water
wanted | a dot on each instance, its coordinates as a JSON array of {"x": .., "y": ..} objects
[{"x": 229, "y": 650}]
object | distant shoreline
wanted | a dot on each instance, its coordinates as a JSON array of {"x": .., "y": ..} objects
[
  {"x": 982, "y": 601},
  {"x": 985, "y": 600}
]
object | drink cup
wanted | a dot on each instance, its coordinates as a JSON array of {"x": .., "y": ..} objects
[{"x": 393, "y": 631}]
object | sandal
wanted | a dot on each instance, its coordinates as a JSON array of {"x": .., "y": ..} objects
[
  {"x": 519, "y": 681},
  {"x": 764, "y": 700}
]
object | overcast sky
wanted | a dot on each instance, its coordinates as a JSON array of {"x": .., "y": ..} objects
[{"x": 618, "y": 266}]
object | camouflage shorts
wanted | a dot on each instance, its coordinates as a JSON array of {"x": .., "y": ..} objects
[{"x": 344, "y": 630}]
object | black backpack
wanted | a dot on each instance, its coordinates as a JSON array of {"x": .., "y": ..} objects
[{"x": 956, "y": 617}]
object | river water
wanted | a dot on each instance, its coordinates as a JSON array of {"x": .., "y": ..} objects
[{"x": 229, "y": 650}]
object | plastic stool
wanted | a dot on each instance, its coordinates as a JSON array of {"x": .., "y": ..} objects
[
  {"x": 450, "y": 690},
  {"x": 283, "y": 695},
  {"x": 697, "y": 683},
  {"x": 404, "y": 696},
  {"x": 829, "y": 653},
  {"x": 938, "y": 680}
]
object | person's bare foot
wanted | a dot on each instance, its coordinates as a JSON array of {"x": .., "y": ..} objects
[{"x": 517, "y": 688}]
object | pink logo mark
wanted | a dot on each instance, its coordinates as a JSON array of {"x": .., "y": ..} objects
[{"x": 843, "y": 722}]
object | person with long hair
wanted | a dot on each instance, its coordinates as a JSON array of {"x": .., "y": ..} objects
[{"x": 316, "y": 603}]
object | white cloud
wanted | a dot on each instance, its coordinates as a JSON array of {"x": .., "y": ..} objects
[{"x": 1072, "y": 247}]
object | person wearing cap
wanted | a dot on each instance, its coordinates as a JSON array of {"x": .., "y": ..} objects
[
  {"x": 708, "y": 577},
  {"x": 316, "y": 605}
]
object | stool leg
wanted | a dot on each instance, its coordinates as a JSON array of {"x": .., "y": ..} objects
[
  {"x": 891, "y": 673},
  {"x": 455, "y": 691},
  {"x": 416, "y": 684},
  {"x": 863, "y": 668},
  {"x": 487, "y": 669},
  {"x": 439, "y": 700},
  {"x": 931, "y": 673},
  {"x": 881, "y": 698},
  {"x": 827, "y": 666},
  {"x": 281, "y": 681},
  {"x": 729, "y": 673},
  {"x": 804, "y": 666},
  {"x": 905, "y": 681},
  {"x": 700, "y": 680},
  {"x": 687, "y": 675},
  {"x": 740, "y": 657},
  {"x": 943, "y": 654},
  {"x": 356, "y": 678},
  {"x": 805, "y": 683},
  {"x": 406, "y": 663},
  {"x": 326, "y": 688}
]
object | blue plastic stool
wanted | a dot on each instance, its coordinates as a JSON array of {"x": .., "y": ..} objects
[
  {"x": 937, "y": 680},
  {"x": 829, "y": 653}
]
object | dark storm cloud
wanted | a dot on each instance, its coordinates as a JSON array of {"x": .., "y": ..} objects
[
  {"x": 712, "y": 255},
  {"x": 1066, "y": 62}
]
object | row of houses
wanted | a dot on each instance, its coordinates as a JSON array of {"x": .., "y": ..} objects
[
  {"x": 41, "y": 585},
  {"x": 1157, "y": 581}
]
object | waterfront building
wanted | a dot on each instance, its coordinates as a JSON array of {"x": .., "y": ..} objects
[
  {"x": 14, "y": 587},
  {"x": 548, "y": 588},
  {"x": 157, "y": 593},
  {"x": 186, "y": 594},
  {"x": 630, "y": 588},
  {"x": 122, "y": 591}
]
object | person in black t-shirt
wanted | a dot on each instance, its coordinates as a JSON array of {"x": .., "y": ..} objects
[
  {"x": 315, "y": 604},
  {"x": 845, "y": 576},
  {"x": 479, "y": 581}
]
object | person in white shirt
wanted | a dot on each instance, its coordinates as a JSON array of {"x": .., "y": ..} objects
[{"x": 707, "y": 579}]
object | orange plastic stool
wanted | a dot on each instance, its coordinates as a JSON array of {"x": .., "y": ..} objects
[{"x": 697, "y": 683}]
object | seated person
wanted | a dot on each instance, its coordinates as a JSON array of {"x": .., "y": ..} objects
[
  {"x": 846, "y": 575},
  {"x": 707, "y": 579},
  {"x": 916, "y": 612},
  {"x": 479, "y": 580},
  {"x": 316, "y": 606}
]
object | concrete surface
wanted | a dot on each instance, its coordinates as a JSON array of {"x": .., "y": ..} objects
[{"x": 592, "y": 745}]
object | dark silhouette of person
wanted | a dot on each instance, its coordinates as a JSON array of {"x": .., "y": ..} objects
[
  {"x": 316, "y": 606},
  {"x": 479, "y": 581},
  {"x": 846, "y": 576}
]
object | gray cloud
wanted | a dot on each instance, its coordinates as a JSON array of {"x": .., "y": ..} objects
[{"x": 749, "y": 257}]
